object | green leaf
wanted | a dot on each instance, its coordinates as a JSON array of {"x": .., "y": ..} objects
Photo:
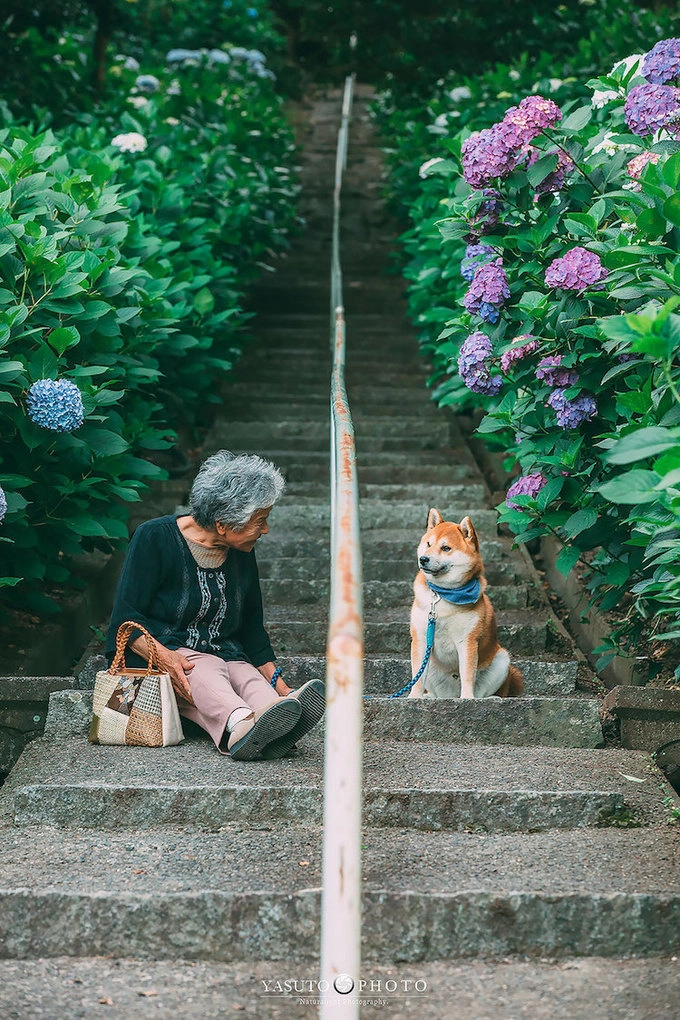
[
  {"x": 567, "y": 559},
  {"x": 642, "y": 443},
  {"x": 63, "y": 338},
  {"x": 204, "y": 302},
  {"x": 541, "y": 169},
  {"x": 579, "y": 522},
  {"x": 577, "y": 120},
  {"x": 633, "y": 487},
  {"x": 651, "y": 223},
  {"x": 671, "y": 209}
]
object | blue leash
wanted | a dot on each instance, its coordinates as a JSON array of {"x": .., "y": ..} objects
[{"x": 429, "y": 641}]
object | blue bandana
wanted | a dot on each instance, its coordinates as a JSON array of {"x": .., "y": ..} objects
[{"x": 466, "y": 595}]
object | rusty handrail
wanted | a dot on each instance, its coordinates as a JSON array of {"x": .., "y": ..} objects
[{"x": 341, "y": 895}]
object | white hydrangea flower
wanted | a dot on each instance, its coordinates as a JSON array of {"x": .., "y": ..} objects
[
  {"x": 555, "y": 84},
  {"x": 173, "y": 89},
  {"x": 130, "y": 142},
  {"x": 172, "y": 121},
  {"x": 514, "y": 75},
  {"x": 138, "y": 101},
  {"x": 611, "y": 147},
  {"x": 441, "y": 121},
  {"x": 428, "y": 164},
  {"x": 129, "y": 63},
  {"x": 625, "y": 65},
  {"x": 459, "y": 94},
  {"x": 602, "y": 97}
]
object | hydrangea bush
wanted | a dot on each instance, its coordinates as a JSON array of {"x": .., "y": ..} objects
[
  {"x": 580, "y": 355},
  {"x": 127, "y": 242}
]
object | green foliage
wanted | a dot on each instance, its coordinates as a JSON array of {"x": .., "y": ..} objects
[
  {"x": 127, "y": 240},
  {"x": 608, "y": 481}
]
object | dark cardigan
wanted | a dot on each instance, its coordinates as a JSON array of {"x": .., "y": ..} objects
[{"x": 213, "y": 609}]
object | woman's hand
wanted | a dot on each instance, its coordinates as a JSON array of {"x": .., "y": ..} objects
[{"x": 173, "y": 663}]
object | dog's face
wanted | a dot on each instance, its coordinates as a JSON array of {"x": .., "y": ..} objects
[{"x": 448, "y": 553}]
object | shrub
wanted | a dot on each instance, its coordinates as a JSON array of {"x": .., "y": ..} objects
[
  {"x": 580, "y": 211},
  {"x": 127, "y": 241}
]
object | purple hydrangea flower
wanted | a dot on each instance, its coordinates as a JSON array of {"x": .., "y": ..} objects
[
  {"x": 55, "y": 404},
  {"x": 3, "y": 504},
  {"x": 649, "y": 108},
  {"x": 476, "y": 255},
  {"x": 533, "y": 115},
  {"x": 570, "y": 413},
  {"x": 576, "y": 270},
  {"x": 551, "y": 372},
  {"x": 522, "y": 347},
  {"x": 555, "y": 180},
  {"x": 473, "y": 368},
  {"x": 637, "y": 164},
  {"x": 488, "y": 291},
  {"x": 525, "y": 485},
  {"x": 490, "y": 153},
  {"x": 662, "y": 63}
]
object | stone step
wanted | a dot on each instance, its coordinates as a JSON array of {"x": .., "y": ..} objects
[
  {"x": 251, "y": 439},
  {"x": 396, "y": 545},
  {"x": 377, "y": 515},
  {"x": 384, "y": 675},
  {"x": 471, "y": 492},
  {"x": 521, "y": 722},
  {"x": 316, "y": 565},
  {"x": 292, "y": 429},
  {"x": 296, "y": 632},
  {"x": 360, "y": 395},
  {"x": 241, "y": 896},
  {"x": 458, "y": 788},
  {"x": 377, "y": 594},
  {"x": 377, "y": 474},
  {"x": 571, "y": 989}
]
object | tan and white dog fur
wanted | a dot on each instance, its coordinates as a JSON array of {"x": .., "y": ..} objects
[{"x": 467, "y": 660}]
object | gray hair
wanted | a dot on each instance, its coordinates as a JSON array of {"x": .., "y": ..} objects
[{"x": 230, "y": 487}]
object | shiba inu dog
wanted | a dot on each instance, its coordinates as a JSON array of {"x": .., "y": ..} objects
[{"x": 466, "y": 660}]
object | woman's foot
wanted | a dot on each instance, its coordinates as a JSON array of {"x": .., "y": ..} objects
[
  {"x": 251, "y": 736},
  {"x": 311, "y": 698}
]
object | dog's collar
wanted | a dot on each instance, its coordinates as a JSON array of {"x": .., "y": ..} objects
[{"x": 466, "y": 595}]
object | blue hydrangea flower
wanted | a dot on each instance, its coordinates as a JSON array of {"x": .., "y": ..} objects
[
  {"x": 55, "y": 404},
  {"x": 662, "y": 63},
  {"x": 476, "y": 255},
  {"x": 571, "y": 413},
  {"x": 3, "y": 504},
  {"x": 251, "y": 12},
  {"x": 147, "y": 83}
]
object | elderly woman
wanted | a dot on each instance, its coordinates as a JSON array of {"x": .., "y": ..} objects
[{"x": 191, "y": 579}]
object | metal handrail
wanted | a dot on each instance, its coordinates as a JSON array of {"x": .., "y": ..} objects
[{"x": 341, "y": 896}]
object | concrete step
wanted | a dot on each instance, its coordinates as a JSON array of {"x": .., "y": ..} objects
[
  {"x": 522, "y": 722},
  {"x": 471, "y": 492},
  {"x": 396, "y": 545},
  {"x": 296, "y": 632},
  {"x": 380, "y": 515},
  {"x": 293, "y": 429},
  {"x": 241, "y": 896},
  {"x": 377, "y": 474},
  {"x": 377, "y": 594},
  {"x": 457, "y": 788},
  {"x": 315, "y": 565},
  {"x": 571, "y": 989},
  {"x": 383, "y": 675}
]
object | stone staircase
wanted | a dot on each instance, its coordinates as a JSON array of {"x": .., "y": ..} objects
[{"x": 511, "y": 861}]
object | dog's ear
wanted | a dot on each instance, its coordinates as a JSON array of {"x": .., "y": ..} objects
[
  {"x": 433, "y": 519},
  {"x": 469, "y": 532}
]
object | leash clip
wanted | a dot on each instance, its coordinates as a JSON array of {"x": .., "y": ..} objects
[{"x": 435, "y": 599}]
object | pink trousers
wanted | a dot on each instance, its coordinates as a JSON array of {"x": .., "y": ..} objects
[{"x": 218, "y": 687}]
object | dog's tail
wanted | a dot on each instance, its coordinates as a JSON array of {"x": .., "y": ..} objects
[{"x": 513, "y": 685}]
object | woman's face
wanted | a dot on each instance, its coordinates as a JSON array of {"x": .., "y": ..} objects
[{"x": 246, "y": 538}]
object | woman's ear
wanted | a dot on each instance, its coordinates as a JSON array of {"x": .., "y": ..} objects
[{"x": 433, "y": 519}]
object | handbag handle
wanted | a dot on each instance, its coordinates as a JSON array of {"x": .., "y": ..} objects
[{"x": 122, "y": 638}]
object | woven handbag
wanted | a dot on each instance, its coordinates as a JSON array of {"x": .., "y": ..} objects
[{"x": 134, "y": 706}]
